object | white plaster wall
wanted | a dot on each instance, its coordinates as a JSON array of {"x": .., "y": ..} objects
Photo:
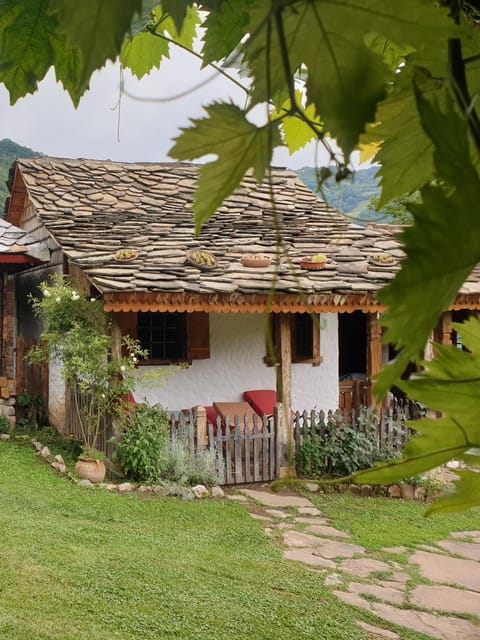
[
  {"x": 56, "y": 397},
  {"x": 237, "y": 349}
]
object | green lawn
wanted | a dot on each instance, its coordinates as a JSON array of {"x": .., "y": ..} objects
[
  {"x": 79, "y": 564},
  {"x": 385, "y": 522}
]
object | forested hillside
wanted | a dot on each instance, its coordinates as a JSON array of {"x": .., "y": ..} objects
[
  {"x": 350, "y": 197},
  {"x": 9, "y": 151}
]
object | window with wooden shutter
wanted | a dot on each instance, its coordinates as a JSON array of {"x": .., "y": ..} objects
[
  {"x": 168, "y": 337},
  {"x": 198, "y": 335},
  {"x": 305, "y": 338}
]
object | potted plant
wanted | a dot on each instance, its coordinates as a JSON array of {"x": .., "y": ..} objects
[
  {"x": 312, "y": 263},
  {"x": 382, "y": 260},
  {"x": 202, "y": 259},
  {"x": 125, "y": 255},
  {"x": 76, "y": 335}
]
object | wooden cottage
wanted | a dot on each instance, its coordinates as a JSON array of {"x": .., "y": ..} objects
[{"x": 324, "y": 322}]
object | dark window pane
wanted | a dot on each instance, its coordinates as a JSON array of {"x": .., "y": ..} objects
[
  {"x": 162, "y": 334},
  {"x": 303, "y": 335}
]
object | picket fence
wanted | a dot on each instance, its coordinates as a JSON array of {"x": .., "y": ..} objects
[
  {"x": 246, "y": 453},
  {"x": 253, "y": 454}
]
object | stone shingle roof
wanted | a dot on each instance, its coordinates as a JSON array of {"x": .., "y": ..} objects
[
  {"x": 93, "y": 208},
  {"x": 17, "y": 245}
]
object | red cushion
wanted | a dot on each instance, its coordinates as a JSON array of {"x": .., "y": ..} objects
[
  {"x": 262, "y": 401},
  {"x": 211, "y": 415}
]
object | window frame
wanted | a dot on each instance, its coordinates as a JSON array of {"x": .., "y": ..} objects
[{"x": 315, "y": 358}]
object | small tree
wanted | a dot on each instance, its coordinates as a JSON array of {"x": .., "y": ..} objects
[{"x": 76, "y": 335}]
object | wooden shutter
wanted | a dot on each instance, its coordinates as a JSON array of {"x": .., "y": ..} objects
[{"x": 198, "y": 335}]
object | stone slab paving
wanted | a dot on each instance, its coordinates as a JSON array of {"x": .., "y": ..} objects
[
  {"x": 446, "y": 570},
  {"x": 435, "y": 626},
  {"x": 311, "y": 520},
  {"x": 270, "y": 499},
  {"x": 307, "y": 556},
  {"x": 379, "y": 586},
  {"x": 276, "y": 513},
  {"x": 470, "y": 550},
  {"x": 377, "y": 632},
  {"x": 322, "y": 530},
  {"x": 364, "y": 567},
  {"x": 394, "y": 596},
  {"x": 438, "y": 598}
]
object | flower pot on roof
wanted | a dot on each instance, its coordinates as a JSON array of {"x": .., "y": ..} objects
[
  {"x": 202, "y": 259},
  {"x": 313, "y": 263},
  {"x": 256, "y": 260},
  {"x": 382, "y": 260},
  {"x": 125, "y": 255}
]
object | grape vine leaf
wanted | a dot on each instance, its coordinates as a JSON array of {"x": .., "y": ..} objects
[
  {"x": 406, "y": 152},
  {"x": 224, "y": 29},
  {"x": 435, "y": 269},
  {"x": 465, "y": 496},
  {"x": 296, "y": 132},
  {"x": 239, "y": 146},
  {"x": 28, "y": 45},
  {"x": 143, "y": 53},
  {"x": 346, "y": 79},
  {"x": 145, "y": 50},
  {"x": 450, "y": 384},
  {"x": 96, "y": 29},
  {"x": 177, "y": 9}
]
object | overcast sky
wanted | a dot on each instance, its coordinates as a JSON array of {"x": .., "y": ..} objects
[{"x": 47, "y": 121}]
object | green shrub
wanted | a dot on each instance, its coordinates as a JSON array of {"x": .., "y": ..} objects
[
  {"x": 182, "y": 466},
  {"x": 339, "y": 449},
  {"x": 4, "y": 424},
  {"x": 141, "y": 447}
]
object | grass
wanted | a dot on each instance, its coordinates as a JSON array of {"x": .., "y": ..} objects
[
  {"x": 376, "y": 523},
  {"x": 77, "y": 564}
]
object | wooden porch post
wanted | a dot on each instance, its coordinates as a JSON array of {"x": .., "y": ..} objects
[
  {"x": 443, "y": 331},
  {"x": 284, "y": 391},
  {"x": 374, "y": 350},
  {"x": 116, "y": 332}
]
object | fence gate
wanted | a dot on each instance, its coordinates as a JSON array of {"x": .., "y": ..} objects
[{"x": 249, "y": 453}]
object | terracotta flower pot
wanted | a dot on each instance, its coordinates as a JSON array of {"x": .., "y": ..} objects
[
  {"x": 93, "y": 470},
  {"x": 259, "y": 260},
  {"x": 311, "y": 264}
]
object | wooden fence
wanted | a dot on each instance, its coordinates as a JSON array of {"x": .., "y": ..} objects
[
  {"x": 247, "y": 453},
  {"x": 387, "y": 426},
  {"x": 251, "y": 453}
]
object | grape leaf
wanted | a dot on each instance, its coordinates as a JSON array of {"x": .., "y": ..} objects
[
  {"x": 296, "y": 132},
  {"x": 143, "y": 53},
  {"x": 96, "y": 28},
  {"x": 177, "y": 9},
  {"x": 346, "y": 79},
  {"x": 465, "y": 496},
  {"x": 224, "y": 29},
  {"x": 435, "y": 269},
  {"x": 450, "y": 384},
  {"x": 406, "y": 152},
  {"x": 239, "y": 146},
  {"x": 27, "y": 46}
]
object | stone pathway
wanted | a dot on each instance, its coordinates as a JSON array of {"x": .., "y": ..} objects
[{"x": 446, "y": 606}]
